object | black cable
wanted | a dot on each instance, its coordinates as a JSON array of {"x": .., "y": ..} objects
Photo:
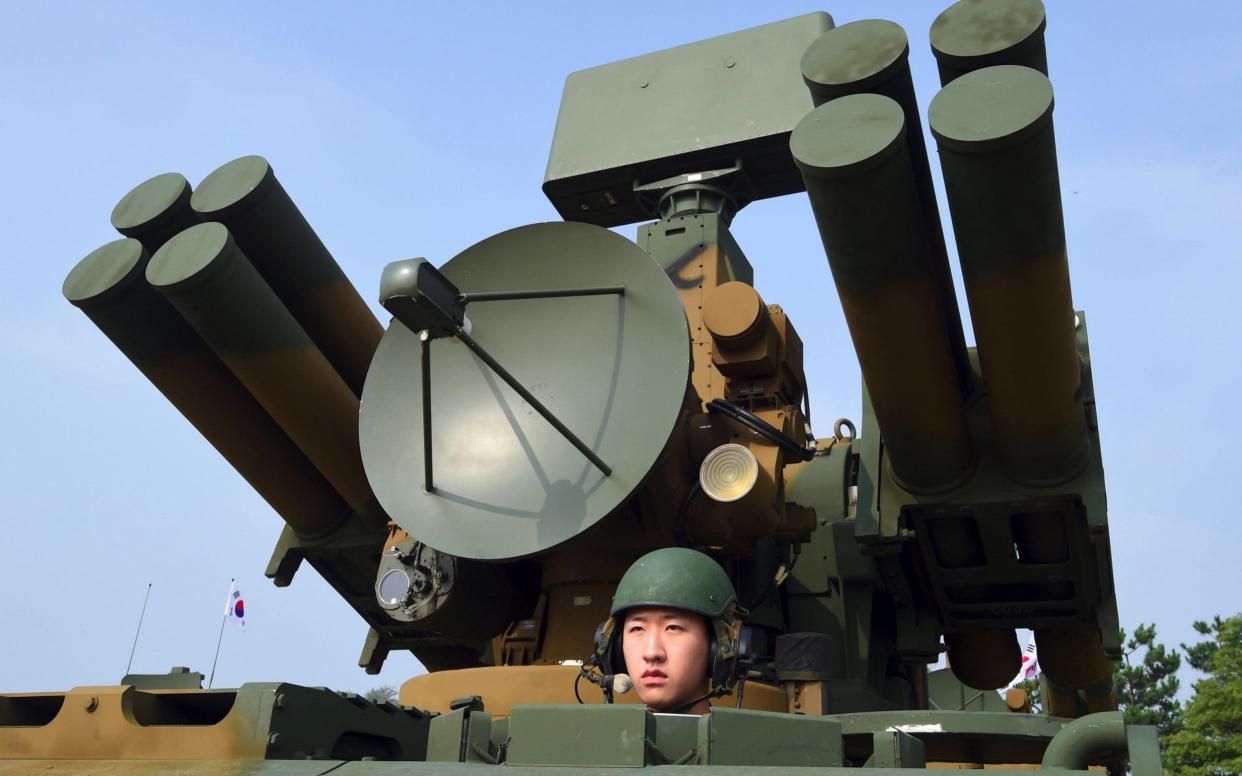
[
  {"x": 715, "y": 692},
  {"x": 761, "y": 427},
  {"x": 806, "y": 404},
  {"x": 763, "y": 598},
  {"x": 773, "y": 586},
  {"x": 576, "y": 695},
  {"x": 680, "y": 524}
]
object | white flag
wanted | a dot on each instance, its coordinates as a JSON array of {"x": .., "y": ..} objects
[{"x": 235, "y": 609}]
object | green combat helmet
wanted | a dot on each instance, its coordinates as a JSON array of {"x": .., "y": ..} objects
[{"x": 678, "y": 578}]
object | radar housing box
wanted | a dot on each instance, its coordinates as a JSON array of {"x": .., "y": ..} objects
[{"x": 702, "y": 108}]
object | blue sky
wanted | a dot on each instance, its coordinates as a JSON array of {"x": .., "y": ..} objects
[{"x": 407, "y": 129}]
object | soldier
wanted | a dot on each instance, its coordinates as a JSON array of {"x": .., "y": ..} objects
[{"x": 679, "y": 624}]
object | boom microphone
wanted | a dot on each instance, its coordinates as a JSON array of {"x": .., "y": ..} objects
[
  {"x": 610, "y": 683},
  {"x": 622, "y": 683}
]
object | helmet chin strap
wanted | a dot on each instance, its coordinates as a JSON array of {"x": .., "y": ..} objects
[{"x": 714, "y": 693}]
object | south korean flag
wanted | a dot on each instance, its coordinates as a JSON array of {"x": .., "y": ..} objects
[{"x": 235, "y": 609}]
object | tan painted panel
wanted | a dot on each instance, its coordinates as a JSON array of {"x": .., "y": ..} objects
[
  {"x": 503, "y": 687},
  {"x": 104, "y": 723}
]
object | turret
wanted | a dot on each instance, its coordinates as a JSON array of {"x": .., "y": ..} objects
[{"x": 556, "y": 400}]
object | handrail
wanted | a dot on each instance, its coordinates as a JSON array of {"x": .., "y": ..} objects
[{"x": 1086, "y": 736}]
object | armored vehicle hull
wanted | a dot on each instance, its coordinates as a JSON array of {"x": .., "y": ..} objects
[{"x": 474, "y": 475}]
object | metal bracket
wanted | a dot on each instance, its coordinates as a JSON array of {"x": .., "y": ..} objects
[{"x": 496, "y": 296}]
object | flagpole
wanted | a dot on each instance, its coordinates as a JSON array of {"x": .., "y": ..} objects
[
  {"x": 219, "y": 640},
  {"x": 134, "y": 648}
]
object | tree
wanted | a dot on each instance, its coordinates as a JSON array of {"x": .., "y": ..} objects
[
  {"x": 1200, "y": 655},
  {"x": 1147, "y": 688},
  {"x": 383, "y": 694},
  {"x": 1034, "y": 695},
  {"x": 1210, "y": 742}
]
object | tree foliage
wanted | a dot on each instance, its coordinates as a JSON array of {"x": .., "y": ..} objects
[
  {"x": 383, "y": 693},
  {"x": 1200, "y": 655},
  {"x": 1147, "y": 683},
  {"x": 1210, "y": 741},
  {"x": 1034, "y": 695}
]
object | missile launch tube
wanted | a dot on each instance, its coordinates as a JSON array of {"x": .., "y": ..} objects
[
  {"x": 155, "y": 210},
  {"x": 873, "y": 56},
  {"x": 985, "y": 659},
  {"x": 970, "y": 35},
  {"x": 268, "y": 228},
  {"x": 108, "y": 286},
  {"x": 998, "y": 153},
  {"x": 218, "y": 291},
  {"x": 856, "y": 167},
  {"x": 1073, "y": 658}
]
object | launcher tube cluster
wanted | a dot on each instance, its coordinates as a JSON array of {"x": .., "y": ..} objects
[
  {"x": 229, "y": 303},
  {"x": 864, "y": 163}
]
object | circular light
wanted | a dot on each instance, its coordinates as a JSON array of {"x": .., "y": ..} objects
[
  {"x": 393, "y": 587},
  {"x": 729, "y": 472}
]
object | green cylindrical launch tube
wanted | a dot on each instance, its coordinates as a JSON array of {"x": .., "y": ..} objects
[
  {"x": 155, "y": 210},
  {"x": 108, "y": 286},
  {"x": 985, "y": 659},
  {"x": 1073, "y": 658},
  {"x": 998, "y": 153},
  {"x": 213, "y": 285},
  {"x": 973, "y": 34},
  {"x": 245, "y": 196},
  {"x": 856, "y": 167},
  {"x": 873, "y": 56}
]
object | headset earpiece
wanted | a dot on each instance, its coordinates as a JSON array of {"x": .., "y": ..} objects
[
  {"x": 608, "y": 655},
  {"x": 599, "y": 646},
  {"x": 728, "y": 645}
]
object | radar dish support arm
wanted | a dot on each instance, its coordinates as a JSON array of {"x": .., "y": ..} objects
[{"x": 425, "y": 301}]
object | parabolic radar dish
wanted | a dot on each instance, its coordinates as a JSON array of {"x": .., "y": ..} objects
[{"x": 613, "y": 368}]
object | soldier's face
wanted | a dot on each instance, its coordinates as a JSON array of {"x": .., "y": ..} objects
[{"x": 666, "y": 652}]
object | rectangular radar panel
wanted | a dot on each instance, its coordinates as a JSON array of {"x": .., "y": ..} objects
[{"x": 694, "y": 110}]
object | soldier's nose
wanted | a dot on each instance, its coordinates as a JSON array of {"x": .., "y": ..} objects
[{"x": 653, "y": 650}]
